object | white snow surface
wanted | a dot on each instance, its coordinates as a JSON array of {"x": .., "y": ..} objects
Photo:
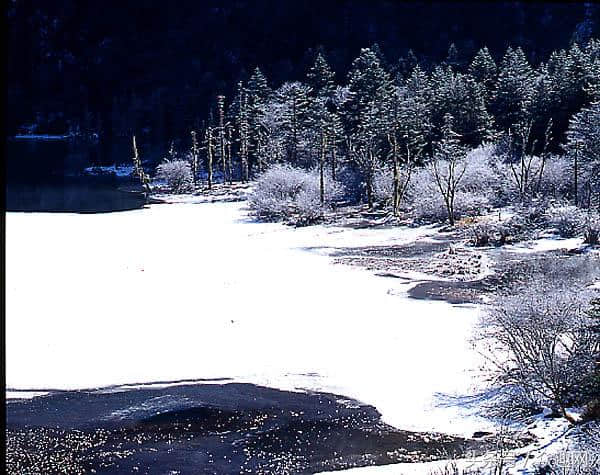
[
  {"x": 186, "y": 291},
  {"x": 546, "y": 244}
]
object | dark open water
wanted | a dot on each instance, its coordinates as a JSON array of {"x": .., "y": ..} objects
[{"x": 48, "y": 175}]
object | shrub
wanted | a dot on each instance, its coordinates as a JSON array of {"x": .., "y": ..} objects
[
  {"x": 177, "y": 175},
  {"x": 480, "y": 174},
  {"x": 569, "y": 221},
  {"x": 383, "y": 186},
  {"x": 556, "y": 178},
  {"x": 427, "y": 202},
  {"x": 592, "y": 231},
  {"x": 287, "y": 193},
  {"x": 543, "y": 343},
  {"x": 542, "y": 335}
]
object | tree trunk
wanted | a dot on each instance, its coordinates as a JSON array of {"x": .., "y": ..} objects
[
  {"x": 576, "y": 173},
  {"x": 322, "y": 167},
  {"x": 396, "y": 185},
  {"x": 370, "y": 179},
  {"x": 229, "y": 167},
  {"x": 210, "y": 157},
  {"x": 333, "y": 161}
]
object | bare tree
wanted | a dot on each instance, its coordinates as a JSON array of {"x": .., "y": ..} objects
[
  {"x": 543, "y": 342},
  {"x": 194, "y": 156},
  {"x": 243, "y": 130},
  {"x": 138, "y": 169},
  {"x": 210, "y": 151},
  {"x": 221, "y": 132},
  {"x": 448, "y": 166}
]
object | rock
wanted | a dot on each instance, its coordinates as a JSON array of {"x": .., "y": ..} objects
[{"x": 480, "y": 434}]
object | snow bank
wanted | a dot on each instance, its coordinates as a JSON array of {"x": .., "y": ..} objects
[
  {"x": 545, "y": 244},
  {"x": 184, "y": 291}
]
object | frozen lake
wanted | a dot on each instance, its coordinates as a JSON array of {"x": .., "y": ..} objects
[{"x": 189, "y": 291}]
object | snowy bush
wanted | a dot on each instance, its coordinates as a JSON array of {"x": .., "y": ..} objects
[
  {"x": 556, "y": 177},
  {"x": 287, "y": 193},
  {"x": 177, "y": 175},
  {"x": 592, "y": 230},
  {"x": 480, "y": 175},
  {"x": 383, "y": 186},
  {"x": 543, "y": 343},
  {"x": 428, "y": 203},
  {"x": 569, "y": 221}
]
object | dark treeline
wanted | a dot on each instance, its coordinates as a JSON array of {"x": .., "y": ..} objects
[{"x": 155, "y": 68}]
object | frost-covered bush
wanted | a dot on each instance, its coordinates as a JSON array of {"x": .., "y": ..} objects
[
  {"x": 543, "y": 342},
  {"x": 592, "y": 230},
  {"x": 383, "y": 186},
  {"x": 177, "y": 175},
  {"x": 428, "y": 204},
  {"x": 556, "y": 177},
  {"x": 293, "y": 194},
  {"x": 568, "y": 220},
  {"x": 480, "y": 174}
]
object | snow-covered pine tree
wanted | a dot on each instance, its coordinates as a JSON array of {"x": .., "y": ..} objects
[
  {"x": 452, "y": 58},
  {"x": 369, "y": 86},
  {"x": 583, "y": 146},
  {"x": 512, "y": 93},
  {"x": 321, "y": 78},
  {"x": 258, "y": 92},
  {"x": 461, "y": 96},
  {"x": 406, "y": 65},
  {"x": 407, "y": 125},
  {"x": 294, "y": 100},
  {"x": 484, "y": 70}
]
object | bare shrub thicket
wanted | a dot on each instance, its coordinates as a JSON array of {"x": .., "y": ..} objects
[
  {"x": 284, "y": 192},
  {"x": 569, "y": 220},
  {"x": 591, "y": 233},
  {"x": 176, "y": 174},
  {"x": 428, "y": 203},
  {"x": 542, "y": 345}
]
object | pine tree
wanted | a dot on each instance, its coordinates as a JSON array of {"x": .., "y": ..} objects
[
  {"x": 294, "y": 100},
  {"x": 512, "y": 94},
  {"x": 484, "y": 69},
  {"x": 583, "y": 146},
  {"x": 452, "y": 58},
  {"x": 321, "y": 78},
  {"x": 369, "y": 86},
  {"x": 258, "y": 92},
  {"x": 462, "y": 97}
]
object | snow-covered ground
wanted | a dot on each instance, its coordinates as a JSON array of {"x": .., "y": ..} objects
[{"x": 185, "y": 291}]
